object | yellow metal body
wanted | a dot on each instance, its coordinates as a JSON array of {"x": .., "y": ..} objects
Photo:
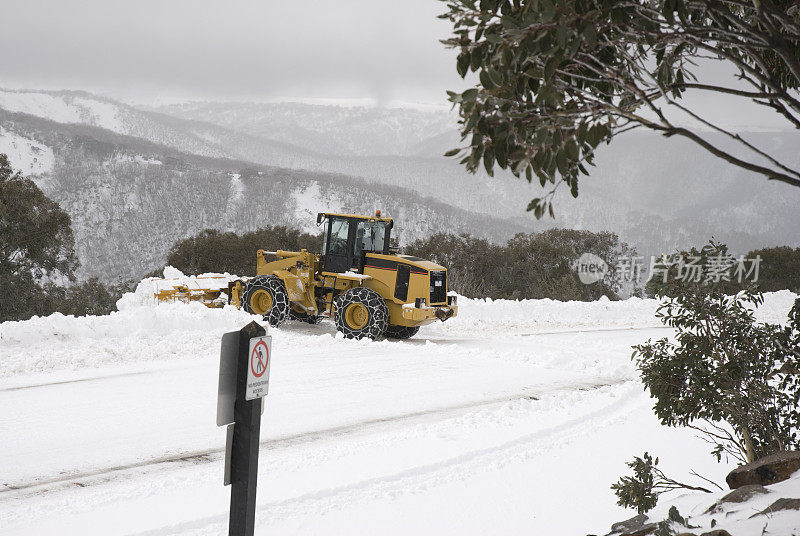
[
  {"x": 358, "y": 217},
  {"x": 313, "y": 290}
]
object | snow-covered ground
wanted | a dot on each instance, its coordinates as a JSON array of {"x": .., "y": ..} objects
[{"x": 514, "y": 417}]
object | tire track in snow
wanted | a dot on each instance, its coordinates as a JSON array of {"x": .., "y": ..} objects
[
  {"x": 420, "y": 478},
  {"x": 422, "y": 340},
  {"x": 413, "y": 342},
  {"x": 77, "y": 380},
  {"x": 361, "y": 427}
]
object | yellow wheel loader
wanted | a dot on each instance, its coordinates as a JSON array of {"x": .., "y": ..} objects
[{"x": 358, "y": 280}]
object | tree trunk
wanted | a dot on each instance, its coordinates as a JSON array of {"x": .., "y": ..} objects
[{"x": 750, "y": 451}]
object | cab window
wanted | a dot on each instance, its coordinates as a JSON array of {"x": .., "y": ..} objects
[
  {"x": 370, "y": 236},
  {"x": 325, "y": 236},
  {"x": 340, "y": 229}
]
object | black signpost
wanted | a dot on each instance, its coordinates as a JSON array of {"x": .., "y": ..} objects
[{"x": 242, "y": 450}]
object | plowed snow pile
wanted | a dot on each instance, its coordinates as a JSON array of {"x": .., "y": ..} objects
[{"x": 143, "y": 330}]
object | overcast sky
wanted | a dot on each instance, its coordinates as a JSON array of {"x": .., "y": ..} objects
[
  {"x": 148, "y": 51},
  {"x": 144, "y": 49}
]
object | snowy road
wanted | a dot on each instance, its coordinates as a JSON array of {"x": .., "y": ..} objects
[{"x": 465, "y": 429}]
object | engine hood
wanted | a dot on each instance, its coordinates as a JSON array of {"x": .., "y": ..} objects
[{"x": 390, "y": 262}]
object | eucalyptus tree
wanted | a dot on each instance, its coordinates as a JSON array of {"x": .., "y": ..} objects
[{"x": 559, "y": 77}]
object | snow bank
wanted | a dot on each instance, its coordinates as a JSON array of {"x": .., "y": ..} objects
[
  {"x": 487, "y": 316},
  {"x": 145, "y": 293},
  {"x": 42, "y": 344},
  {"x": 142, "y": 330}
]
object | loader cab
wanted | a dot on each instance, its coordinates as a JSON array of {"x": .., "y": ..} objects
[{"x": 347, "y": 238}]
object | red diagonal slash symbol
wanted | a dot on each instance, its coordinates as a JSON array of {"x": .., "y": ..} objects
[{"x": 259, "y": 359}]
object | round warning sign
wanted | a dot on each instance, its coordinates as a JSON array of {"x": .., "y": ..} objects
[{"x": 259, "y": 359}]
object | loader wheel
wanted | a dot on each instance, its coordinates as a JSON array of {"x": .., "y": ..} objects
[
  {"x": 361, "y": 312},
  {"x": 401, "y": 332},
  {"x": 266, "y": 295},
  {"x": 302, "y": 316}
]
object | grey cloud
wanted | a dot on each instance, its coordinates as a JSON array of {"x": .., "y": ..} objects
[{"x": 235, "y": 49}]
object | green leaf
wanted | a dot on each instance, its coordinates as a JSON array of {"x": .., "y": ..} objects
[
  {"x": 571, "y": 149},
  {"x": 452, "y": 152},
  {"x": 475, "y": 157},
  {"x": 495, "y": 77},
  {"x": 581, "y": 134},
  {"x": 561, "y": 163},
  {"x": 557, "y": 138},
  {"x": 477, "y": 57},
  {"x": 550, "y": 68},
  {"x": 470, "y": 94},
  {"x": 669, "y": 11},
  {"x": 501, "y": 152},
  {"x": 486, "y": 81},
  {"x": 488, "y": 161},
  {"x": 462, "y": 64},
  {"x": 592, "y": 136},
  {"x": 533, "y": 203},
  {"x": 473, "y": 119}
]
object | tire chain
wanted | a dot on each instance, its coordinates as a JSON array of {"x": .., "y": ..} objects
[
  {"x": 303, "y": 317},
  {"x": 376, "y": 307},
  {"x": 401, "y": 332},
  {"x": 279, "y": 312}
]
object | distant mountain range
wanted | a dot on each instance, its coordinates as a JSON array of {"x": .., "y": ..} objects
[
  {"x": 130, "y": 199},
  {"x": 328, "y": 130},
  {"x": 136, "y": 180}
]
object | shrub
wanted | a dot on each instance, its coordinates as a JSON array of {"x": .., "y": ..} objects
[
  {"x": 469, "y": 262},
  {"x": 725, "y": 375},
  {"x": 780, "y": 268},
  {"x": 528, "y": 266},
  {"x": 214, "y": 251},
  {"x": 92, "y": 297},
  {"x": 776, "y": 268},
  {"x": 734, "y": 380}
]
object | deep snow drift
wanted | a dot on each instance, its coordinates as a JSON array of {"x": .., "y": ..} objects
[{"x": 514, "y": 417}]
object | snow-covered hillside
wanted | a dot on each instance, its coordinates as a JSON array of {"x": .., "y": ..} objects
[
  {"x": 205, "y": 139},
  {"x": 130, "y": 200},
  {"x": 514, "y": 417},
  {"x": 657, "y": 195},
  {"x": 26, "y": 155},
  {"x": 65, "y": 107}
]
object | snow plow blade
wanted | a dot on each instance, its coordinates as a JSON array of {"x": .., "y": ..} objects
[{"x": 212, "y": 290}]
